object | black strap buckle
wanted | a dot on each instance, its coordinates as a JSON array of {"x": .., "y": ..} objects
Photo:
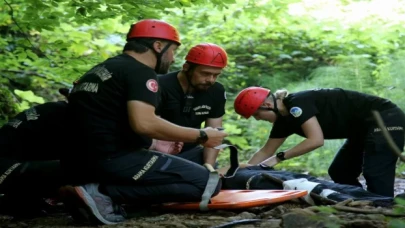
[
  {"x": 188, "y": 103},
  {"x": 214, "y": 178}
]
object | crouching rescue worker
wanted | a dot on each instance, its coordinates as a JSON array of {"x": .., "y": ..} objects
[
  {"x": 329, "y": 114},
  {"x": 30, "y": 147},
  {"x": 113, "y": 108},
  {"x": 192, "y": 96}
]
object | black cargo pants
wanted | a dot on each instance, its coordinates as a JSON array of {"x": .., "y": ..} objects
[
  {"x": 371, "y": 155},
  {"x": 145, "y": 177}
]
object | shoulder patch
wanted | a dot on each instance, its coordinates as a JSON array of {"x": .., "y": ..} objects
[
  {"x": 296, "y": 111},
  {"x": 152, "y": 85}
]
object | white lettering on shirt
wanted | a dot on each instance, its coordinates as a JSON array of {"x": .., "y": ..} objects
[
  {"x": 14, "y": 123},
  {"x": 101, "y": 72},
  {"x": 202, "y": 106},
  {"x": 202, "y": 112},
  {"x": 31, "y": 114},
  {"x": 86, "y": 86}
]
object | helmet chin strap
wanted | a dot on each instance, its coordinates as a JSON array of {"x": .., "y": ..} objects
[
  {"x": 275, "y": 109},
  {"x": 189, "y": 84},
  {"x": 157, "y": 54},
  {"x": 189, "y": 99}
]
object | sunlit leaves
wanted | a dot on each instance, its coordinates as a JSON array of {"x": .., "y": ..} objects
[{"x": 29, "y": 96}]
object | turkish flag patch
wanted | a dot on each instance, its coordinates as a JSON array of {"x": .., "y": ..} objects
[{"x": 152, "y": 85}]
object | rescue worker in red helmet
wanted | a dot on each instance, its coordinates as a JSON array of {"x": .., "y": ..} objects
[
  {"x": 192, "y": 96},
  {"x": 113, "y": 109},
  {"x": 321, "y": 114}
]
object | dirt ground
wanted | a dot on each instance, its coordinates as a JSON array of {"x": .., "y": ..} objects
[{"x": 288, "y": 214}]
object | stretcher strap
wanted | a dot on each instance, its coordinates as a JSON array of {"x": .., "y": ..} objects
[
  {"x": 233, "y": 158},
  {"x": 212, "y": 184},
  {"x": 214, "y": 177}
]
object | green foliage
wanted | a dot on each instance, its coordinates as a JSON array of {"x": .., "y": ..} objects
[
  {"x": 292, "y": 44},
  {"x": 48, "y": 44},
  {"x": 28, "y": 97},
  {"x": 325, "y": 209},
  {"x": 398, "y": 209},
  {"x": 8, "y": 107},
  {"x": 396, "y": 223}
]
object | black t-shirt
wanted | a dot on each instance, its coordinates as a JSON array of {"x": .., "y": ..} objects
[
  {"x": 206, "y": 104},
  {"x": 340, "y": 113},
  {"x": 98, "y": 105},
  {"x": 38, "y": 133}
]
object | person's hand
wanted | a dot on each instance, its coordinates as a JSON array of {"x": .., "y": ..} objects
[
  {"x": 271, "y": 162},
  {"x": 222, "y": 171},
  {"x": 244, "y": 165},
  {"x": 176, "y": 148},
  {"x": 215, "y": 137},
  {"x": 168, "y": 147}
]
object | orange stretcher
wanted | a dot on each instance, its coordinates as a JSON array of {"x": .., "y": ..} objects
[{"x": 239, "y": 199}]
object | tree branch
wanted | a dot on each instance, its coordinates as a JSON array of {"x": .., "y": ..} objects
[
  {"x": 387, "y": 135},
  {"x": 368, "y": 211},
  {"x": 361, "y": 210},
  {"x": 24, "y": 72}
]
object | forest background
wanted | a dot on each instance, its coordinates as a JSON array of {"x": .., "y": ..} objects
[{"x": 291, "y": 44}]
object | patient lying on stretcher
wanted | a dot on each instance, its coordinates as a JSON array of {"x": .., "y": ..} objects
[{"x": 256, "y": 177}]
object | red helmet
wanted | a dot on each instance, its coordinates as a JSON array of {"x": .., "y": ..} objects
[
  {"x": 208, "y": 54},
  {"x": 151, "y": 28},
  {"x": 249, "y": 100}
]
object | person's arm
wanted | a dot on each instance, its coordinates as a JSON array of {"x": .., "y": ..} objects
[
  {"x": 163, "y": 146},
  {"x": 261, "y": 155},
  {"x": 314, "y": 139},
  {"x": 211, "y": 154},
  {"x": 215, "y": 120},
  {"x": 266, "y": 151},
  {"x": 167, "y": 147},
  {"x": 143, "y": 120}
]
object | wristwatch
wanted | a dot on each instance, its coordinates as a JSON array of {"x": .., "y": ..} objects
[
  {"x": 280, "y": 156},
  {"x": 202, "y": 138}
]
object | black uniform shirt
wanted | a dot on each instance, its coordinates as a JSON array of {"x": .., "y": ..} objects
[
  {"x": 38, "y": 133},
  {"x": 98, "y": 105},
  {"x": 340, "y": 113},
  {"x": 205, "y": 105}
]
